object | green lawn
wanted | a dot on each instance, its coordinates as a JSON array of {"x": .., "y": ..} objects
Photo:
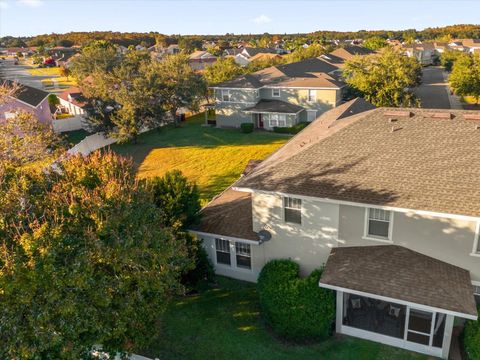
[
  {"x": 74, "y": 137},
  {"x": 214, "y": 158},
  {"x": 47, "y": 71},
  {"x": 225, "y": 323}
]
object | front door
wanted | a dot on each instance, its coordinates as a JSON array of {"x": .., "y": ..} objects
[{"x": 259, "y": 121}]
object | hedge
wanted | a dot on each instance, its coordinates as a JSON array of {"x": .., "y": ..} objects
[
  {"x": 295, "y": 308},
  {"x": 295, "y": 129},
  {"x": 246, "y": 127},
  {"x": 471, "y": 339}
]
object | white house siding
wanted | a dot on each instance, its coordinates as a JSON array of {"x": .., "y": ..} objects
[
  {"x": 449, "y": 240},
  {"x": 308, "y": 244},
  {"x": 257, "y": 261}
]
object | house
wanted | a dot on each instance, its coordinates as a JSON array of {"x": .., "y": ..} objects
[
  {"x": 339, "y": 56},
  {"x": 243, "y": 58},
  {"x": 232, "y": 52},
  {"x": 471, "y": 45},
  {"x": 425, "y": 53},
  {"x": 386, "y": 199},
  {"x": 72, "y": 102},
  {"x": 27, "y": 99},
  {"x": 265, "y": 56},
  {"x": 198, "y": 60},
  {"x": 279, "y": 96}
]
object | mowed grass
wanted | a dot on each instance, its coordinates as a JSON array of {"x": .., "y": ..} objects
[
  {"x": 225, "y": 323},
  {"x": 213, "y": 158},
  {"x": 50, "y": 71}
]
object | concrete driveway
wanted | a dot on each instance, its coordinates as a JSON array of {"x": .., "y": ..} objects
[
  {"x": 433, "y": 92},
  {"x": 20, "y": 74}
]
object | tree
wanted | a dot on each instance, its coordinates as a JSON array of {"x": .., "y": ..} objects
[
  {"x": 375, "y": 43},
  {"x": 384, "y": 79},
  {"x": 19, "y": 54},
  {"x": 64, "y": 71},
  {"x": 222, "y": 70},
  {"x": 179, "y": 85},
  {"x": 314, "y": 50},
  {"x": 84, "y": 259},
  {"x": 465, "y": 76},
  {"x": 97, "y": 56},
  {"x": 448, "y": 58}
]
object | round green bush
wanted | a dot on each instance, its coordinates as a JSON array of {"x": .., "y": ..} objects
[
  {"x": 295, "y": 308},
  {"x": 471, "y": 339},
  {"x": 246, "y": 127}
]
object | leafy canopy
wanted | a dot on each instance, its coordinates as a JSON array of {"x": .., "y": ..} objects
[{"x": 465, "y": 76}]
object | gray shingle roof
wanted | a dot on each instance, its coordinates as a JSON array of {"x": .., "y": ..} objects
[
  {"x": 421, "y": 161},
  {"x": 274, "y": 106},
  {"x": 400, "y": 273},
  {"x": 28, "y": 94}
]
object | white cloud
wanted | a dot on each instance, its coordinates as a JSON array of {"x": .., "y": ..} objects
[
  {"x": 31, "y": 3},
  {"x": 4, "y": 4},
  {"x": 262, "y": 19}
]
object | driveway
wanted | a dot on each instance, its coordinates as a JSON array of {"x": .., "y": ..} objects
[
  {"x": 433, "y": 90},
  {"x": 20, "y": 74}
]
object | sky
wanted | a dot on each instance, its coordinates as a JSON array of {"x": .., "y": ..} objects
[{"x": 33, "y": 17}]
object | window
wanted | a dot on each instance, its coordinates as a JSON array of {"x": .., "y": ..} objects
[
  {"x": 292, "y": 210},
  {"x": 242, "y": 254},
  {"x": 256, "y": 93},
  {"x": 222, "y": 248},
  {"x": 278, "y": 120},
  {"x": 9, "y": 115},
  {"x": 226, "y": 95},
  {"x": 312, "y": 95},
  {"x": 378, "y": 223},
  {"x": 476, "y": 293},
  {"x": 275, "y": 92},
  {"x": 311, "y": 115}
]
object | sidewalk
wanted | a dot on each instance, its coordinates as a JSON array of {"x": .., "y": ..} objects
[{"x": 455, "y": 102}]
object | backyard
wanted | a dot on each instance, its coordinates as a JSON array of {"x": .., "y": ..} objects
[
  {"x": 213, "y": 158},
  {"x": 224, "y": 323}
]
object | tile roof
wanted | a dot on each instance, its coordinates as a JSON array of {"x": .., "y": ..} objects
[
  {"x": 28, "y": 94},
  {"x": 382, "y": 157},
  {"x": 400, "y": 273},
  {"x": 274, "y": 106}
]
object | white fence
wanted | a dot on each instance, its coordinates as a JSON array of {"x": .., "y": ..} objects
[
  {"x": 68, "y": 124},
  {"x": 91, "y": 143}
]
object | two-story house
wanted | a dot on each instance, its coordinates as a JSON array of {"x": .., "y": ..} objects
[
  {"x": 283, "y": 95},
  {"x": 387, "y": 199}
]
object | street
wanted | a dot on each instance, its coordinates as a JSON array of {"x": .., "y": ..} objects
[
  {"x": 433, "y": 90},
  {"x": 20, "y": 74}
]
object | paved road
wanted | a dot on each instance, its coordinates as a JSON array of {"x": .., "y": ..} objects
[
  {"x": 433, "y": 91},
  {"x": 20, "y": 74}
]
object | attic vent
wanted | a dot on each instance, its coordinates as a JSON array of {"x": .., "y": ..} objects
[
  {"x": 439, "y": 115},
  {"x": 471, "y": 116},
  {"x": 396, "y": 113},
  {"x": 392, "y": 120}
]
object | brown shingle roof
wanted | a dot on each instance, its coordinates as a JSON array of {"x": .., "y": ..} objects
[
  {"x": 399, "y": 273},
  {"x": 417, "y": 162}
]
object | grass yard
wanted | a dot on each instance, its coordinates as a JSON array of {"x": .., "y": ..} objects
[
  {"x": 213, "y": 158},
  {"x": 48, "y": 71},
  {"x": 225, "y": 323},
  {"x": 74, "y": 137}
]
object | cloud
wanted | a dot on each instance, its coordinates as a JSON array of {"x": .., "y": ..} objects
[
  {"x": 31, "y": 3},
  {"x": 262, "y": 19}
]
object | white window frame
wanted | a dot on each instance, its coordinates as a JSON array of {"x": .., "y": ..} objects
[
  {"x": 274, "y": 92},
  {"x": 311, "y": 99},
  {"x": 9, "y": 115},
  {"x": 476, "y": 241},
  {"x": 311, "y": 112},
  {"x": 367, "y": 236},
  {"x": 229, "y": 95},
  {"x": 233, "y": 255},
  {"x": 249, "y": 255},
  {"x": 284, "y": 207},
  {"x": 277, "y": 120},
  {"x": 256, "y": 93}
]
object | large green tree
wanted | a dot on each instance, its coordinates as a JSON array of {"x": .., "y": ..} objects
[
  {"x": 97, "y": 56},
  {"x": 448, "y": 58},
  {"x": 375, "y": 43},
  {"x": 384, "y": 79},
  {"x": 222, "y": 70},
  {"x": 84, "y": 259},
  {"x": 465, "y": 76}
]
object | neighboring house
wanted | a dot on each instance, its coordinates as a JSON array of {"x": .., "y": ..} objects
[
  {"x": 339, "y": 56},
  {"x": 198, "y": 60},
  {"x": 27, "y": 99},
  {"x": 72, "y": 102},
  {"x": 232, "y": 52},
  {"x": 386, "y": 199},
  {"x": 244, "y": 57},
  {"x": 284, "y": 95},
  {"x": 471, "y": 45},
  {"x": 264, "y": 56},
  {"x": 425, "y": 53}
]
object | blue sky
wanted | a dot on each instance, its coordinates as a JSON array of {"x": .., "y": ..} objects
[{"x": 30, "y": 17}]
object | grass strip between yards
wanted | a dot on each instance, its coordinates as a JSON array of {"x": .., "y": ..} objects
[
  {"x": 225, "y": 323},
  {"x": 213, "y": 158}
]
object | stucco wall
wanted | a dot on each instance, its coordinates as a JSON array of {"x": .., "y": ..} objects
[
  {"x": 41, "y": 112},
  {"x": 449, "y": 240},
  {"x": 231, "y": 115},
  {"x": 326, "y": 99}
]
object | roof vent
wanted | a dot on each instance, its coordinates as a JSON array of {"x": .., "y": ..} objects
[
  {"x": 439, "y": 115},
  {"x": 397, "y": 113},
  {"x": 471, "y": 116},
  {"x": 392, "y": 120}
]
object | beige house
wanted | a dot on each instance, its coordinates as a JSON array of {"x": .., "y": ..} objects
[{"x": 386, "y": 199}]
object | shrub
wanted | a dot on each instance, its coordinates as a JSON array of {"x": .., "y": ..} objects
[
  {"x": 296, "y": 309},
  {"x": 246, "y": 127},
  {"x": 471, "y": 339},
  {"x": 295, "y": 129}
]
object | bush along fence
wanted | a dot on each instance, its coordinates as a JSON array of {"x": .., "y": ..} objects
[{"x": 295, "y": 308}]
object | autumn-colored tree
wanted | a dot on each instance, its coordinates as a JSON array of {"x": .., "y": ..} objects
[
  {"x": 384, "y": 79},
  {"x": 84, "y": 260},
  {"x": 465, "y": 76}
]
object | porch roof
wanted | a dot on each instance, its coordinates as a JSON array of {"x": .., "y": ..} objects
[
  {"x": 399, "y": 273},
  {"x": 274, "y": 106}
]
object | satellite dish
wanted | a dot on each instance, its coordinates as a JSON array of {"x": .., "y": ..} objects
[{"x": 264, "y": 235}]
